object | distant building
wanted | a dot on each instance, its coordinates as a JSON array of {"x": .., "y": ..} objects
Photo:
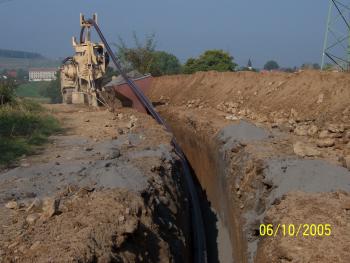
[
  {"x": 250, "y": 65},
  {"x": 12, "y": 73},
  {"x": 42, "y": 74}
]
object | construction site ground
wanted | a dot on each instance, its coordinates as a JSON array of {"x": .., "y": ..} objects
[
  {"x": 268, "y": 148},
  {"x": 107, "y": 189},
  {"x": 265, "y": 148}
]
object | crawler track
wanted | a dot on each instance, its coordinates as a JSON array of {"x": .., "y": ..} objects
[{"x": 199, "y": 241}]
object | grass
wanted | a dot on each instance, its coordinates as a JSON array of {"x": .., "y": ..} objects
[
  {"x": 23, "y": 126},
  {"x": 31, "y": 89}
]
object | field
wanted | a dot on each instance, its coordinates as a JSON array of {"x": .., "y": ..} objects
[
  {"x": 21, "y": 63},
  {"x": 31, "y": 89}
]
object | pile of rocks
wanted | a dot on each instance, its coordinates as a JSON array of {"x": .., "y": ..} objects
[
  {"x": 228, "y": 107},
  {"x": 197, "y": 103},
  {"x": 38, "y": 209}
]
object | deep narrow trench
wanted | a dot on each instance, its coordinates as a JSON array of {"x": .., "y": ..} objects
[
  {"x": 219, "y": 247},
  {"x": 210, "y": 169}
]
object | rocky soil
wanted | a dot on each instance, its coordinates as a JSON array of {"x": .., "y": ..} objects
[
  {"x": 108, "y": 188},
  {"x": 267, "y": 148}
]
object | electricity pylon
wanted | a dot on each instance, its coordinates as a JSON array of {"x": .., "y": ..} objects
[{"x": 336, "y": 49}]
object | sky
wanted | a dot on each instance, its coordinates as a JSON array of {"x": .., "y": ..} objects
[{"x": 290, "y": 32}]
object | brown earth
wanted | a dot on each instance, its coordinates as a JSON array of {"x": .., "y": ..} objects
[
  {"x": 267, "y": 148},
  {"x": 310, "y": 94},
  {"x": 107, "y": 189}
]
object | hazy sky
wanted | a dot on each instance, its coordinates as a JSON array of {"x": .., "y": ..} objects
[{"x": 290, "y": 32}]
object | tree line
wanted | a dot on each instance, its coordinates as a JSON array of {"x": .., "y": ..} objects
[
  {"x": 145, "y": 58},
  {"x": 19, "y": 54}
]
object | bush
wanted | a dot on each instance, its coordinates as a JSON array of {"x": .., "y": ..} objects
[
  {"x": 23, "y": 125},
  {"x": 218, "y": 60},
  {"x": 7, "y": 91},
  {"x": 164, "y": 64},
  {"x": 53, "y": 90},
  {"x": 271, "y": 65}
]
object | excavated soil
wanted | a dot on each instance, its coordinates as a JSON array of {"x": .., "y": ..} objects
[
  {"x": 107, "y": 189},
  {"x": 267, "y": 148}
]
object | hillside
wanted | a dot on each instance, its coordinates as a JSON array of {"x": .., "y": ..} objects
[
  {"x": 6, "y": 53},
  {"x": 13, "y": 59}
]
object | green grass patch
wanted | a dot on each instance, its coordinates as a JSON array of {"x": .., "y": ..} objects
[
  {"x": 23, "y": 126},
  {"x": 32, "y": 89}
]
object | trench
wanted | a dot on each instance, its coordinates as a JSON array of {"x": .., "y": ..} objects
[{"x": 210, "y": 169}]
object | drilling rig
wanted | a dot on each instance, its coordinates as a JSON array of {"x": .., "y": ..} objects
[{"x": 82, "y": 74}]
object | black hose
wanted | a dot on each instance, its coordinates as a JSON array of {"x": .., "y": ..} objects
[{"x": 198, "y": 235}]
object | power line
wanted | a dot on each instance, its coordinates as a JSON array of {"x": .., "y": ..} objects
[{"x": 336, "y": 47}]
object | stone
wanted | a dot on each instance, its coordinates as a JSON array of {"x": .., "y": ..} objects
[
  {"x": 130, "y": 124},
  {"x": 346, "y": 111},
  {"x": 35, "y": 206},
  {"x": 232, "y": 118},
  {"x": 89, "y": 149},
  {"x": 346, "y": 161},
  {"x": 293, "y": 114},
  {"x": 261, "y": 119},
  {"x": 301, "y": 130},
  {"x": 35, "y": 245},
  {"x": 115, "y": 154},
  {"x": 320, "y": 98},
  {"x": 347, "y": 135},
  {"x": 133, "y": 118},
  {"x": 121, "y": 219},
  {"x": 11, "y": 205},
  {"x": 50, "y": 207},
  {"x": 327, "y": 142},
  {"x": 312, "y": 130},
  {"x": 305, "y": 150},
  {"x": 324, "y": 134},
  {"x": 334, "y": 128},
  {"x": 164, "y": 200},
  {"x": 32, "y": 218}
]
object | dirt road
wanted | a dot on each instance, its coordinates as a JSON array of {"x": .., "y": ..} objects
[{"x": 106, "y": 189}]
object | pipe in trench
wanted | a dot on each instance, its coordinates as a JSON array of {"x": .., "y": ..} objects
[{"x": 213, "y": 173}]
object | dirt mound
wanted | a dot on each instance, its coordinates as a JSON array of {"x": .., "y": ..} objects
[
  {"x": 90, "y": 227},
  {"x": 332, "y": 207},
  {"x": 305, "y": 95},
  {"x": 283, "y": 175},
  {"x": 107, "y": 189}
]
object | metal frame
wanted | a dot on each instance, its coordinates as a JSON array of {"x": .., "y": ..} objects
[{"x": 336, "y": 48}]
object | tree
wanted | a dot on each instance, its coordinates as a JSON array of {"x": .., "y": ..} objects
[
  {"x": 146, "y": 59},
  {"x": 218, "y": 60},
  {"x": 316, "y": 66},
  {"x": 271, "y": 65},
  {"x": 140, "y": 57},
  {"x": 164, "y": 63},
  {"x": 22, "y": 74},
  {"x": 53, "y": 90},
  {"x": 7, "y": 91}
]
